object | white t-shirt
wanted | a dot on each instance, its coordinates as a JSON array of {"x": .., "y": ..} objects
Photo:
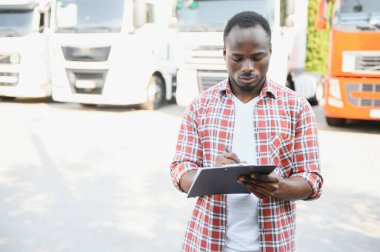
[{"x": 242, "y": 223}]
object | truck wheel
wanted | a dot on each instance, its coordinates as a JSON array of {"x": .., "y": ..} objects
[
  {"x": 318, "y": 97},
  {"x": 336, "y": 122},
  {"x": 156, "y": 94},
  {"x": 87, "y": 105},
  {"x": 290, "y": 82},
  {"x": 6, "y": 98}
]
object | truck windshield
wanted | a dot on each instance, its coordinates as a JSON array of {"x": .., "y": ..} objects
[
  {"x": 15, "y": 22},
  {"x": 89, "y": 16},
  {"x": 208, "y": 15},
  {"x": 357, "y": 12}
]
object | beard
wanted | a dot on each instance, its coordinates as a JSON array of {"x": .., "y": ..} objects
[{"x": 247, "y": 88}]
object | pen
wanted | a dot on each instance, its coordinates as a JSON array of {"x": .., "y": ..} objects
[{"x": 227, "y": 149}]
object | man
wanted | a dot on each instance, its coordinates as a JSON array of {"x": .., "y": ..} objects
[{"x": 248, "y": 118}]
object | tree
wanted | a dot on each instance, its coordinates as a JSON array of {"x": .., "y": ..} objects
[{"x": 317, "y": 44}]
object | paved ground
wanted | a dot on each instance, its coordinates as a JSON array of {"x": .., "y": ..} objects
[{"x": 97, "y": 179}]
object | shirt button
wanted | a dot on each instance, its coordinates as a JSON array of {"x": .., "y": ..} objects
[
  {"x": 222, "y": 228},
  {"x": 223, "y": 203}
]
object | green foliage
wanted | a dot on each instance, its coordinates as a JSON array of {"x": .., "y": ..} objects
[{"x": 317, "y": 43}]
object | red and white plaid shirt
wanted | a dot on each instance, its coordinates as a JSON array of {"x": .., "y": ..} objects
[{"x": 285, "y": 135}]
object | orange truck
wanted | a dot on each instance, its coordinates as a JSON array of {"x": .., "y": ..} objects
[{"x": 352, "y": 85}]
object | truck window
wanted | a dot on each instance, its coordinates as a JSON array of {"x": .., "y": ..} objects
[
  {"x": 15, "y": 23},
  {"x": 87, "y": 16},
  {"x": 202, "y": 15}
]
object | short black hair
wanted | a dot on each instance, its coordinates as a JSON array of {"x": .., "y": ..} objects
[{"x": 247, "y": 19}]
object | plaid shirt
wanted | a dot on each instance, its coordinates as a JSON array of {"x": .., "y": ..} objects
[{"x": 285, "y": 135}]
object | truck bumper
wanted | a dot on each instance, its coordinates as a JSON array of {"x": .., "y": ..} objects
[
  {"x": 64, "y": 94},
  {"x": 112, "y": 90},
  {"x": 352, "y": 98}
]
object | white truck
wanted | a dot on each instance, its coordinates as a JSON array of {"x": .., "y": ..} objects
[
  {"x": 112, "y": 52},
  {"x": 198, "y": 49},
  {"x": 24, "y": 68}
]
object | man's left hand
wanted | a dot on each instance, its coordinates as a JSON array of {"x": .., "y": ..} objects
[{"x": 262, "y": 186}]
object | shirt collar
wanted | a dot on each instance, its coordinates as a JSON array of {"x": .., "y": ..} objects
[{"x": 268, "y": 89}]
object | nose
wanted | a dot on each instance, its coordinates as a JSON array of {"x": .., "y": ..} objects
[{"x": 248, "y": 66}]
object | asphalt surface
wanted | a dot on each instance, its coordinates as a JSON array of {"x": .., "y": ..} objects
[{"x": 97, "y": 179}]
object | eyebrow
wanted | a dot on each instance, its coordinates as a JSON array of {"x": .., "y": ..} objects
[{"x": 239, "y": 54}]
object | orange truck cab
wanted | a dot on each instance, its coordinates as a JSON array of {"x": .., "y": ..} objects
[{"x": 352, "y": 86}]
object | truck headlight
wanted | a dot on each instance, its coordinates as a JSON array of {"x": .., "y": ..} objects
[
  {"x": 334, "y": 88},
  {"x": 14, "y": 59}
]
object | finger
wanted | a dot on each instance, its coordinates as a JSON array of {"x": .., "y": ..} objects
[
  {"x": 264, "y": 188},
  {"x": 257, "y": 193},
  {"x": 260, "y": 192},
  {"x": 221, "y": 161},
  {"x": 264, "y": 178},
  {"x": 249, "y": 179},
  {"x": 245, "y": 179},
  {"x": 232, "y": 156},
  {"x": 260, "y": 182}
]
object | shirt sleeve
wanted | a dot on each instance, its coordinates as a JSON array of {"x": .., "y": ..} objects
[
  {"x": 306, "y": 150},
  {"x": 188, "y": 153}
]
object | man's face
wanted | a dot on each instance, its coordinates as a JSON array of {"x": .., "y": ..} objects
[{"x": 247, "y": 53}]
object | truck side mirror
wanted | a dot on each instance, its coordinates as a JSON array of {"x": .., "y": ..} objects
[{"x": 41, "y": 29}]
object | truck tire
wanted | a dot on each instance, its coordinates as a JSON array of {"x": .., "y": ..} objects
[
  {"x": 7, "y": 98},
  {"x": 88, "y": 105},
  {"x": 318, "y": 97},
  {"x": 290, "y": 82},
  {"x": 336, "y": 122},
  {"x": 156, "y": 94}
]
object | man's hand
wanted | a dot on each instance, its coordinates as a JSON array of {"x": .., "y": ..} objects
[
  {"x": 272, "y": 185},
  {"x": 261, "y": 185},
  {"x": 227, "y": 158}
]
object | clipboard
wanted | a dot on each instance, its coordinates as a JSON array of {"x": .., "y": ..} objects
[{"x": 223, "y": 180}]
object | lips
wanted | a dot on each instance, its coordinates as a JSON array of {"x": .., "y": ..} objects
[{"x": 247, "y": 79}]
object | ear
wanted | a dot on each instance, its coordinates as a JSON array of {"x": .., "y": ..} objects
[
  {"x": 224, "y": 53},
  {"x": 270, "y": 48}
]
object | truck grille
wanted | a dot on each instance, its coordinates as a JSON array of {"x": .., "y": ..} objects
[
  {"x": 367, "y": 63},
  {"x": 8, "y": 79},
  {"x": 86, "y": 81},
  {"x": 207, "y": 79},
  {"x": 361, "y": 87},
  {"x": 204, "y": 55},
  {"x": 94, "y": 54}
]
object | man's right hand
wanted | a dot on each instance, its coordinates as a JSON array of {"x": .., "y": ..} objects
[{"x": 227, "y": 158}]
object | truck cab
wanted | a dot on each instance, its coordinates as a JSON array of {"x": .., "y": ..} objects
[
  {"x": 352, "y": 86},
  {"x": 24, "y": 69},
  {"x": 112, "y": 52},
  {"x": 198, "y": 48}
]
